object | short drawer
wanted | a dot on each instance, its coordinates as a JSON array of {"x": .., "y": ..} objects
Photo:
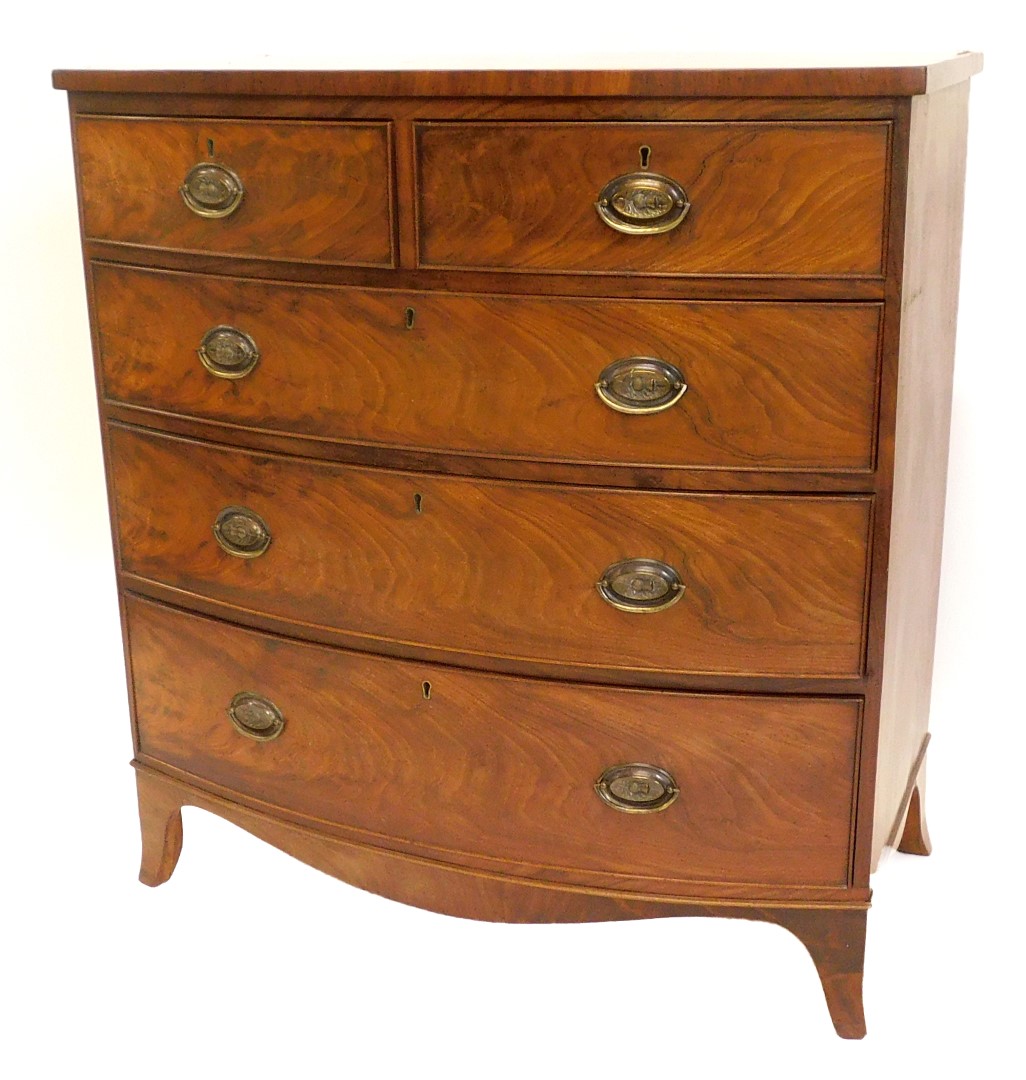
[
  {"x": 312, "y": 191},
  {"x": 766, "y": 585},
  {"x": 806, "y": 199},
  {"x": 465, "y": 766},
  {"x": 758, "y": 386}
]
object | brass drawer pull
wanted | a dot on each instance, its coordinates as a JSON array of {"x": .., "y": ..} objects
[
  {"x": 212, "y": 191},
  {"x": 642, "y": 204},
  {"x": 228, "y": 353},
  {"x": 641, "y": 384},
  {"x": 241, "y": 532},
  {"x": 641, "y": 585},
  {"x": 256, "y": 717},
  {"x": 636, "y": 788}
]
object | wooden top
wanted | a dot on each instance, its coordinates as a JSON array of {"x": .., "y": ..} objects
[{"x": 709, "y": 76}]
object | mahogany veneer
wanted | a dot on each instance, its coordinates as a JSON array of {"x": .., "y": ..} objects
[
  {"x": 564, "y": 449},
  {"x": 775, "y": 585},
  {"x": 771, "y": 386},
  {"x": 806, "y": 199}
]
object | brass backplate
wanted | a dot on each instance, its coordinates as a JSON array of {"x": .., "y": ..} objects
[
  {"x": 241, "y": 532},
  {"x": 228, "y": 353},
  {"x": 255, "y": 716},
  {"x": 642, "y": 203},
  {"x": 640, "y": 585},
  {"x": 636, "y": 788},
  {"x": 212, "y": 190},
  {"x": 640, "y": 384}
]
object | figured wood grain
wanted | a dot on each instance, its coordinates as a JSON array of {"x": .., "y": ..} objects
[
  {"x": 929, "y": 305},
  {"x": 798, "y": 199},
  {"x": 505, "y": 767},
  {"x": 774, "y": 585},
  {"x": 645, "y": 477},
  {"x": 770, "y": 386},
  {"x": 708, "y": 287},
  {"x": 313, "y": 190},
  {"x": 857, "y": 250},
  {"x": 695, "y": 76},
  {"x": 404, "y": 109},
  {"x": 833, "y": 934}
]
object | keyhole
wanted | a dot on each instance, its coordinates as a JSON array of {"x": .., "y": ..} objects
[
  {"x": 210, "y": 147},
  {"x": 426, "y": 690},
  {"x": 645, "y": 154},
  {"x": 409, "y": 315},
  {"x": 418, "y": 502}
]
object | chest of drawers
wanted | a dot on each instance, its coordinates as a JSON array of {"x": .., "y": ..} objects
[{"x": 527, "y": 487}]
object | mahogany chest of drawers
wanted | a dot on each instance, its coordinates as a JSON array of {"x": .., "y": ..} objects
[{"x": 527, "y": 487}]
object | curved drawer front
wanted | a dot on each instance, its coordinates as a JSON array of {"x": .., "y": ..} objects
[
  {"x": 771, "y": 585},
  {"x": 768, "y": 385},
  {"x": 312, "y": 191},
  {"x": 504, "y": 769},
  {"x": 804, "y": 199}
]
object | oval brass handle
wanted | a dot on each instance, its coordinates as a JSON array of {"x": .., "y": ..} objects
[
  {"x": 641, "y": 585},
  {"x": 228, "y": 353},
  {"x": 256, "y": 717},
  {"x": 641, "y": 384},
  {"x": 637, "y": 788},
  {"x": 241, "y": 532},
  {"x": 212, "y": 191},
  {"x": 642, "y": 204}
]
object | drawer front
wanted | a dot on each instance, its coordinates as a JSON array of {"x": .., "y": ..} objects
[
  {"x": 767, "y": 385},
  {"x": 314, "y": 191},
  {"x": 463, "y": 764},
  {"x": 764, "y": 198},
  {"x": 771, "y": 585}
]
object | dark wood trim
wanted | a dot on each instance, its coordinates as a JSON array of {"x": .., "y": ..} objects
[
  {"x": 617, "y": 885},
  {"x": 489, "y": 108},
  {"x": 404, "y": 180},
  {"x": 918, "y": 77},
  {"x": 574, "y": 877},
  {"x": 595, "y": 675},
  {"x": 834, "y": 932},
  {"x": 108, "y": 476},
  {"x": 655, "y": 286},
  {"x": 902, "y": 484},
  {"x": 880, "y": 547},
  {"x": 627, "y": 475}
]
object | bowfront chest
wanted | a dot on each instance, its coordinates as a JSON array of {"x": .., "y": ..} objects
[{"x": 527, "y": 487}]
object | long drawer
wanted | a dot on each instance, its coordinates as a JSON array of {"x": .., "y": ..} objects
[
  {"x": 470, "y": 765},
  {"x": 624, "y": 580},
  {"x": 610, "y": 382},
  {"x": 307, "y": 190},
  {"x": 806, "y": 199}
]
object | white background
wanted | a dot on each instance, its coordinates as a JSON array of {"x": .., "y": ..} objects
[{"x": 250, "y": 964}]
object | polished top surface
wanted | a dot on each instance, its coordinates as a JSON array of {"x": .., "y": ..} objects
[{"x": 652, "y": 75}]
